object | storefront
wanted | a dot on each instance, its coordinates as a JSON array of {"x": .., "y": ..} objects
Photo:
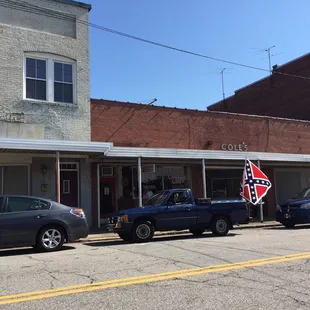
[
  {"x": 119, "y": 183},
  {"x": 57, "y": 170}
]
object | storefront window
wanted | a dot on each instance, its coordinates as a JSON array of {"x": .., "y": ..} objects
[
  {"x": 174, "y": 177},
  {"x": 162, "y": 178},
  {"x": 225, "y": 188}
]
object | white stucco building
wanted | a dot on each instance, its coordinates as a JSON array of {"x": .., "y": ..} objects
[{"x": 45, "y": 100}]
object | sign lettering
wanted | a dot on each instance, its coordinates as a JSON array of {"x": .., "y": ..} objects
[{"x": 235, "y": 147}]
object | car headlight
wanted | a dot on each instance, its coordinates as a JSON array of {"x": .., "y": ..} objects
[{"x": 305, "y": 206}]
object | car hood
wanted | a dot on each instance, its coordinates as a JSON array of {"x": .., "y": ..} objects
[{"x": 296, "y": 201}]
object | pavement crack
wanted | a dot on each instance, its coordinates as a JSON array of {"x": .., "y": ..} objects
[
  {"x": 198, "y": 252},
  {"x": 174, "y": 261}
]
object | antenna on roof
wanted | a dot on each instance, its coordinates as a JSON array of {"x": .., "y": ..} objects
[
  {"x": 260, "y": 51},
  {"x": 269, "y": 57},
  {"x": 151, "y": 103},
  {"x": 222, "y": 74}
]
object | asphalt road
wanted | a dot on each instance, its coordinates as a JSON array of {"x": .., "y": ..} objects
[{"x": 249, "y": 269}]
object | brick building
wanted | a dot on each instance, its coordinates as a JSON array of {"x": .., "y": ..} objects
[
  {"x": 277, "y": 95},
  {"x": 175, "y": 144}
]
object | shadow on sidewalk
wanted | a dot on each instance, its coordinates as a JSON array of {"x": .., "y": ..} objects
[
  {"x": 297, "y": 227},
  {"x": 156, "y": 239},
  {"x": 30, "y": 251}
]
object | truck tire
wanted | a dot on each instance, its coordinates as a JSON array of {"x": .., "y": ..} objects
[
  {"x": 125, "y": 237},
  {"x": 143, "y": 232},
  {"x": 220, "y": 226},
  {"x": 289, "y": 224},
  {"x": 197, "y": 231}
]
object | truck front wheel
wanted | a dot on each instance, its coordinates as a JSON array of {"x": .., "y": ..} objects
[
  {"x": 220, "y": 226},
  {"x": 125, "y": 237},
  {"x": 143, "y": 231}
]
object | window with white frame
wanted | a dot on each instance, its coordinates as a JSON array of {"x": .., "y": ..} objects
[
  {"x": 49, "y": 78},
  {"x": 35, "y": 78},
  {"x": 63, "y": 82}
]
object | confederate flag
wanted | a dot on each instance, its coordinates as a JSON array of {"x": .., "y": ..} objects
[{"x": 255, "y": 184}]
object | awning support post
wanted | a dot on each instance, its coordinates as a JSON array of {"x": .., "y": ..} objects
[
  {"x": 98, "y": 196},
  {"x": 140, "y": 181},
  {"x": 58, "y": 177},
  {"x": 204, "y": 180}
]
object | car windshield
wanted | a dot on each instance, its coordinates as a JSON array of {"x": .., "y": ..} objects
[
  {"x": 157, "y": 199},
  {"x": 305, "y": 193}
]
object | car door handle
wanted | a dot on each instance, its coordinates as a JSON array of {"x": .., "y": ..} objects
[
  {"x": 40, "y": 215},
  {"x": 187, "y": 208}
]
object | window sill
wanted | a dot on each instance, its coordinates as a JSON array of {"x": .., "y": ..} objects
[{"x": 51, "y": 103}]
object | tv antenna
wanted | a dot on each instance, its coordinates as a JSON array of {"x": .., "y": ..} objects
[
  {"x": 222, "y": 79},
  {"x": 266, "y": 50},
  {"x": 269, "y": 57}
]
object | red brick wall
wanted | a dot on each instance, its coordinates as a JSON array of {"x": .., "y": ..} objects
[
  {"x": 146, "y": 126},
  {"x": 278, "y": 95}
]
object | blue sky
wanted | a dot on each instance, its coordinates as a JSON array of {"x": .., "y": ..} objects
[{"x": 128, "y": 70}]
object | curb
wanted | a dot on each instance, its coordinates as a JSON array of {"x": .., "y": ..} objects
[{"x": 172, "y": 233}]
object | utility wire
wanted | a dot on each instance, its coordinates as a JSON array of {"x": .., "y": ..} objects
[{"x": 24, "y": 6}]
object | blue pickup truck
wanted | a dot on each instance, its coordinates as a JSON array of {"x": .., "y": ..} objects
[
  {"x": 176, "y": 209},
  {"x": 295, "y": 210}
]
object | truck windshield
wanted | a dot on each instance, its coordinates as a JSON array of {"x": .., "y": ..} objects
[
  {"x": 157, "y": 199},
  {"x": 305, "y": 193}
]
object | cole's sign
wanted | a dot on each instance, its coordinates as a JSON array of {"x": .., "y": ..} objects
[{"x": 235, "y": 147}]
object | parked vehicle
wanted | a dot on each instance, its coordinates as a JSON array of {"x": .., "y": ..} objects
[
  {"x": 176, "y": 209},
  {"x": 40, "y": 223},
  {"x": 295, "y": 210}
]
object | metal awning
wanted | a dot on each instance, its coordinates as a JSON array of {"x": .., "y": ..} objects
[
  {"x": 63, "y": 146},
  {"x": 134, "y": 152}
]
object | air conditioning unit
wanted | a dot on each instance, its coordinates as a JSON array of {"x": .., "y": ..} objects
[{"x": 107, "y": 171}]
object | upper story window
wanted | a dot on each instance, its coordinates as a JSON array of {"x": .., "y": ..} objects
[
  {"x": 63, "y": 82},
  {"x": 49, "y": 78},
  {"x": 36, "y": 79}
]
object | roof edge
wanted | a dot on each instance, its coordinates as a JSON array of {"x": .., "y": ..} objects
[
  {"x": 76, "y": 3},
  {"x": 262, "y": 116},
  {"x": 206, "y": 112}
]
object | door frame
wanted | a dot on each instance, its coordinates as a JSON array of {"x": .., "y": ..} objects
[
  {"x": 77, "y": 169},
  {"x": 113, "y": 181}
]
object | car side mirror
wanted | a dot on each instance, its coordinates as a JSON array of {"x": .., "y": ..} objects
[{"x": 170, "y": 203}]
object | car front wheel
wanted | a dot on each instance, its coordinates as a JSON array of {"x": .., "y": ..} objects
[{"x": 50, "y": 239}]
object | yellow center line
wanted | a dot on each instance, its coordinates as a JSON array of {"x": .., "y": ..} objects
[{"x": 69, "y": 290}]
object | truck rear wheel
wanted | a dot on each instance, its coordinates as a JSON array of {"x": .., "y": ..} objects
[
  {"x": 220, "y": 226},
  {"x": 143, "y": 232},
  {"x": 197, "y": 231}
]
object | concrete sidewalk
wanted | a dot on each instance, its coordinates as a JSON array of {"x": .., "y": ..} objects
[{"x": 106, "y": 236}]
